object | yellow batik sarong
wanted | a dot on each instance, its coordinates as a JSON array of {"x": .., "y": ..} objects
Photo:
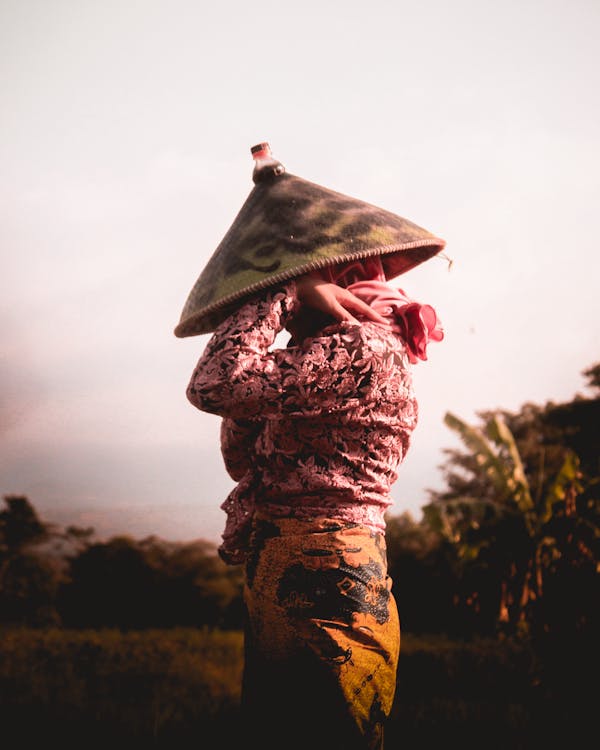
[{"x": 322, "y": 635}]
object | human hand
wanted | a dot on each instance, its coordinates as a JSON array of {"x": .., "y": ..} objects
[{"x": 333, "y": 300}]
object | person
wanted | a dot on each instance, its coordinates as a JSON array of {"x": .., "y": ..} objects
[{"x": 313, "y": 433}]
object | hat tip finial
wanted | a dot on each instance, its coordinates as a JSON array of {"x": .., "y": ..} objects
[{"x": 265, "y": 164}]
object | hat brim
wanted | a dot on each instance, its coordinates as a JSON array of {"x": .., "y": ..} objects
[
  {"x": 395, "y": 260},
  {"x": 288, "y": 227}
]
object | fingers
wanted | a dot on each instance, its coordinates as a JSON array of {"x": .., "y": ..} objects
[
  {"x": 352, "y": 303},
  {"x": 335, "y": 301},
  {"x": 339, "y": 312}
]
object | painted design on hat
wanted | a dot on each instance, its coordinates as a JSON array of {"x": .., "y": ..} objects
[{"x": 288, "y": 226}]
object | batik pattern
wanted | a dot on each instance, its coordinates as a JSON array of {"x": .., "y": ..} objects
[{"x": 318, "y": 596}]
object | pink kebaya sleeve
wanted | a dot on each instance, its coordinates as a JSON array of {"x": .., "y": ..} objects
[
  {"x": 238, "y": 377},
  {"x": 237, "y": 437}
]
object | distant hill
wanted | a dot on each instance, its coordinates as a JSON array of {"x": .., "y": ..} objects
[{"x": 176, "y": 522}]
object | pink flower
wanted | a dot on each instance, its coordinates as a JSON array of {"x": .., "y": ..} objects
[{"x": 419, "y": 325}]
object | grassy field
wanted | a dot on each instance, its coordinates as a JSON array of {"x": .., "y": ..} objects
[{"x": 177, "y": 688}]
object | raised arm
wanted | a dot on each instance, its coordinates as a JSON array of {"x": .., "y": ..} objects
[{"x": 238, "y": 377}]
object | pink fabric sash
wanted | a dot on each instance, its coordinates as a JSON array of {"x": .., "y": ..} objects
[{"x": 417, "y": 324}]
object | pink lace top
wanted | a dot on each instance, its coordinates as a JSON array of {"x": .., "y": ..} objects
[{"x": 309, "y": 430}]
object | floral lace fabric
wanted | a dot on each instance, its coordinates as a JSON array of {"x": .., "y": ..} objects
[{"x": 318, "y": 429}]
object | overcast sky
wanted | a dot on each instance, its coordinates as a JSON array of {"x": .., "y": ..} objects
[{"x": 125, "y": 135}]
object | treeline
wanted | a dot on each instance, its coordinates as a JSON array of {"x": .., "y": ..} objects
[
  {"x": 511, "y": 545},
  {"x": 66, "y": 577}
]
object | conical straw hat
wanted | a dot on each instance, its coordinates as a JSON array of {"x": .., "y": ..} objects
[{"x": 288, "y": 226}]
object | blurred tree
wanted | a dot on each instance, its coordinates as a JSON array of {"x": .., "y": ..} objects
[
  {"x": 220, "y": 588},
  {"x": 111, "y": 585},
  {"x": 19, "y": 526},
  {"x": 423, "y": 567},
  {"x": 28, "y": 580},
  {"x": 488, "y": 521},
  {"x": 129, "y": 584},
  {"x": 593, "y": 377},
  {"x": 197, "y": 588},
  {"x": 522, "y": 510}
]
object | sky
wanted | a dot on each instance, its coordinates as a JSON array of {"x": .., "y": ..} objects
[{"x": 125, "y": 135}]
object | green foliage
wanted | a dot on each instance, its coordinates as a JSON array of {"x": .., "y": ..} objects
[
  {"x": 28, "y": 581},
  {"x": 521, "y": 510},
  {"x": 592, "y": 375},
  {"x": 129, "y": 584},
  {"x": 496, "y": 458},
  {"x": 423, "y": 568},
  {"x": 180, "y": 688},
  {"x": 50, "y": 576},
  {"x": 108, "y": 685},
  {"x": 490, "y": 463},
  {"x": 19, "y": 524}
]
